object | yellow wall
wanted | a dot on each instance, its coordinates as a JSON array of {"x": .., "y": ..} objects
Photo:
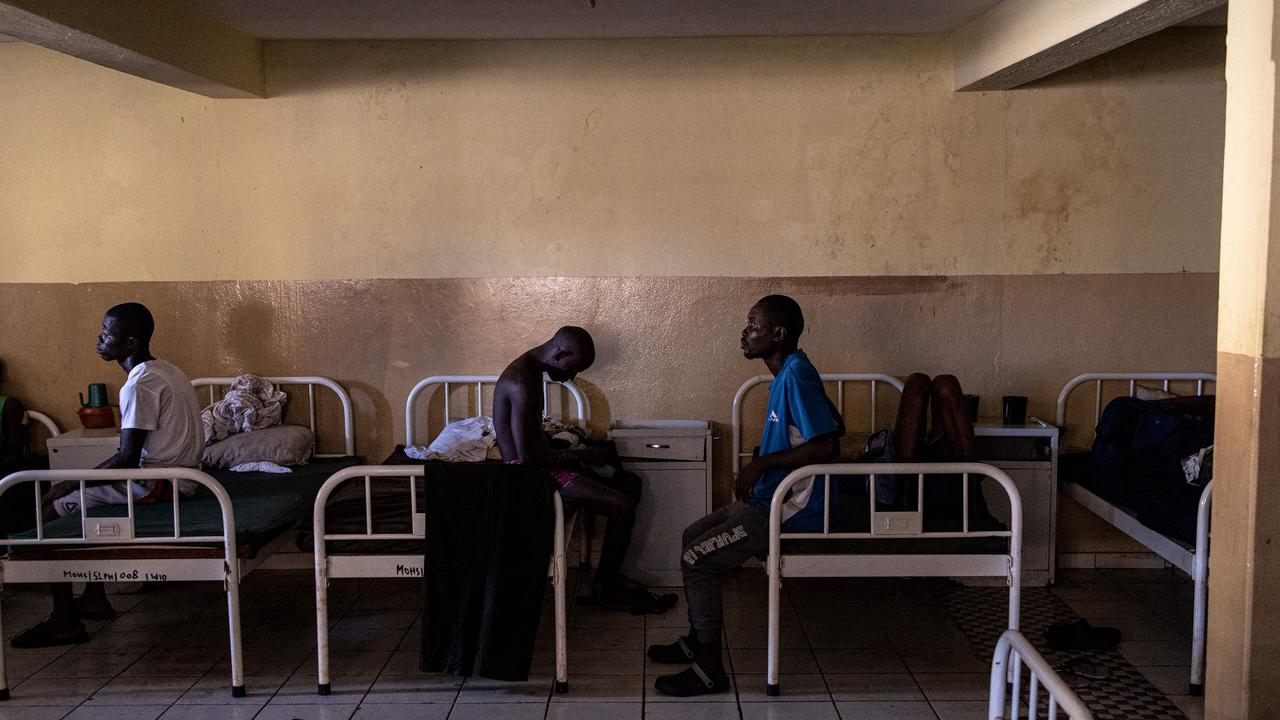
[
  {"x": 728, "y": 157},
  {"x": 650, "y": 190}
]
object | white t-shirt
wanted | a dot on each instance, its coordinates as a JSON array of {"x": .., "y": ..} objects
[{"x": 158, "y": 398}]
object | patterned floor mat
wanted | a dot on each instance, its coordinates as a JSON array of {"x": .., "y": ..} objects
[{"x": 980, "y": 613}]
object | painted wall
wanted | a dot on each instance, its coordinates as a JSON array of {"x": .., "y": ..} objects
[
  {"x": 726, "y": 157},
  {"x": 402, "y": 209}
]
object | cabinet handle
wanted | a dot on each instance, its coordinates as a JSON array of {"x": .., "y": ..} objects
[{"x": 658, "y": 446}]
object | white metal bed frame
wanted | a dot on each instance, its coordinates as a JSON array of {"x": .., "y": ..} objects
[
  {"x": 348, "y": 565},
  {"x": 1012, "y": 652},
  {"x": 46, "y": 421},
  {"x": 1195, "y": 560},
  {"x": 89, "y": 564},
  {"x": 780, "y": 564}
]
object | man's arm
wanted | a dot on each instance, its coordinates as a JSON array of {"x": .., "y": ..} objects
[
  {"x": 129, "y": 455},
  {"x": 821, "y": 449}
]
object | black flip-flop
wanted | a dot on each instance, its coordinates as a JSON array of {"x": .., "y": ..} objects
[
  {"x": 691, "y": 682},
  {"x": 680, "y": 652},
  {"x": 1080, "y": 635},
  {"x": 648, "y": 603},
  {"x": 40, "y": 636},
  {"x": 109, "y": 614}
]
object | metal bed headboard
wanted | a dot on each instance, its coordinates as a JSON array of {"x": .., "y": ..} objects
[
  {"x": 579, "y": 397},
  {"x": 873, "y": 379},
  {"x": 1100, "y": 378},
  {"x": 1013, "y": 650},
  {"x": 46, "y": 421},
  {"x": 311, "y": 381}
]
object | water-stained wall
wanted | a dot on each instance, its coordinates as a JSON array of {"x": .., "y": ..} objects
[
  {"x": 728, "y": 157},
  {"x": 395, "y": 210}
]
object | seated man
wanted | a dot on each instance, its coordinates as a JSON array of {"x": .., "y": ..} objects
[
  {"x": 801, "y": 427},
  {"x": 517, "y": 422},
  {"x": 159, "y": 427}
]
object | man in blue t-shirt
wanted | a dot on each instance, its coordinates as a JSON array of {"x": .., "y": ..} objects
[{"x": 801, "y": 428}]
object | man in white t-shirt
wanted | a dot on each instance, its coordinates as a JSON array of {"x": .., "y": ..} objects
[{"x": 159, "y": 427}]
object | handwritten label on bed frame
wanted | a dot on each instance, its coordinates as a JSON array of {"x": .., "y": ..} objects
[
  {"x": 124, "y": 575},
  {"x": 408, "y": 570}
]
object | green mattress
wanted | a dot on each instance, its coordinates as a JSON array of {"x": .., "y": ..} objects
[{"x": 265, "y": 504}]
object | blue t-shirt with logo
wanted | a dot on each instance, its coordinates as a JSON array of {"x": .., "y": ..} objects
[{"x": 798, "y": 412}]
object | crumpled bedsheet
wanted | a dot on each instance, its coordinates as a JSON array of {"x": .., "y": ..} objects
[
  {"x": 466, "y": 440},
  {"x": 251, "y": 403}
]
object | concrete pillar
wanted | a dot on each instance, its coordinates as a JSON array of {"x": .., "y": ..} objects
[{"x": 1243, "y": 679}]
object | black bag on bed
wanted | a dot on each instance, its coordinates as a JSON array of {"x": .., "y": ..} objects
[{"x": 1138, "y": 452}]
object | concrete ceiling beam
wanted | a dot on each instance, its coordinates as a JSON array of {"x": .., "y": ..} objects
[
  {"x": 1019, "y": 41},
  {"x": 167, "y": 42}
]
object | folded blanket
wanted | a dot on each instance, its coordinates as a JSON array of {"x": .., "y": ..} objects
[{"x": 252, "y": 403}]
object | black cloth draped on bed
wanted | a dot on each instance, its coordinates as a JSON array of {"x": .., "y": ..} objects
[
  {"x": 489, "y": 529},
  {"x": 1136, "y": 460}
]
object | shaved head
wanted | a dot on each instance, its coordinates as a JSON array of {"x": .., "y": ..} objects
[{"x": 570, "y": 351}]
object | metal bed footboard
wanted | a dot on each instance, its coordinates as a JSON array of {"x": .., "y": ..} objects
[
  {"x": 1008, "y": 566},
  {"x": 348, "y": 565},
  {"x": 1012, "y": 652},
  {"x": 1194, "y": 562},
  {"x": 116, "y": 532},
  {"x": 872, "y": 380}
]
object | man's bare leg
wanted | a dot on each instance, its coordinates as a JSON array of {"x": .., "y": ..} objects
[
  {"x": 949, "y": 419},
  {"x": 911, "y": 424}
]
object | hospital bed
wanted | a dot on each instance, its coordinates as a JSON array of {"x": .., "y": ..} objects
[
  {"x": 875, "y": 543},
  {"x": 1191, "y": 555},
  {"x": 221, "y": 533},
  {"x": 368, "y": 521},
  {"x": 1013, "y": 653}
]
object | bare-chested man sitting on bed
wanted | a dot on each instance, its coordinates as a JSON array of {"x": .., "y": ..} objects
[{"x": 517, "y": 421}]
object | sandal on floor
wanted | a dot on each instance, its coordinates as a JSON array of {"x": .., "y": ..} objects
[
  {"x": 108, "y": 614},
  {"x": 1080, "y": 635},
  {"x": 647, "y": 603},
  {"x": 606, "y": 601},
  {"x": 41, "y": 636},
  {"x": 1082, "y": 666},
  {"x": 680, "y": 652},
  {"x": 693, "y": 681}
]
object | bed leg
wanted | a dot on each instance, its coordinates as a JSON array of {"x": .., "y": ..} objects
[
  {"x": 558, "y": 582},
  {"x": 233, "y": 623},
  {"x": 322, "y": 619},
  {"x": 1195, "y": 690},
  {"x": 1200, "y": 575},
  {"x": 774, "y": 579},
  {"x": 4, "y": 673}
]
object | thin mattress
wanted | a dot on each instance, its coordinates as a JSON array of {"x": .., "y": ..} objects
[{"x": 265, "y": 504}]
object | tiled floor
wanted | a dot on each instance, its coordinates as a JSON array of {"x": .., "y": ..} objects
[{"x": 853, "y": 649}]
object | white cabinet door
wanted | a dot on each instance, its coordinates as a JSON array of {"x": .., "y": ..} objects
[
  {"x": 671, "y": 501},
  {"x": 1035, "y": 485}
]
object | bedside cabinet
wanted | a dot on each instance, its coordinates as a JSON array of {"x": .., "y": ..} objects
[
  {"x": 1029, "y": 456},
  {"x": 82, "y": 449},
  {"x": 673, "y": 460}
]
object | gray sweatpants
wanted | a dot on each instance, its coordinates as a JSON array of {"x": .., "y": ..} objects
[{"x": 714, "y": 545}]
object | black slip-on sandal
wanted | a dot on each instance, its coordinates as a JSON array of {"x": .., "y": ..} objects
[
  {"x": 680, "y": 652},
  {"x": 41, "y": 635},
  {"x": 647, "y": 603},
  {"x": 691, "y": 682}
]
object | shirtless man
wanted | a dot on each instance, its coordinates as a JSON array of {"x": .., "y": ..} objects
[
  {"x": 159, "y": 427},
  {"x": 517, "y": 421}
]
